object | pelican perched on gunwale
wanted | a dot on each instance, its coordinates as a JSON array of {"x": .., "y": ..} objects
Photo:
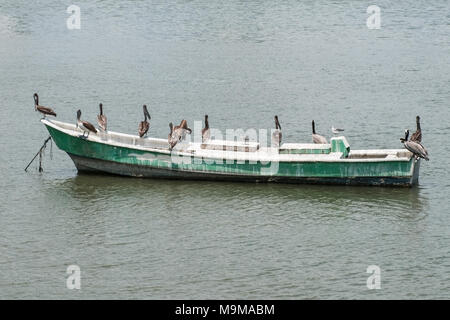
[
  {"x": 144, "y": 125},
  {"x": 101, "y": 119},
  {"x": 182, "y": 129},
  {"x": 173, "y": 138},
  {"x": 417, "y": 136},
  {"x": 276, "y": 135},
  {"x": 317, "y": 138},
  {"x": 206, "y": 133},
  {"x": 416, "y": 148},
  {"x": 85, "y": 125},
  {"x": 46, "y": 111}
]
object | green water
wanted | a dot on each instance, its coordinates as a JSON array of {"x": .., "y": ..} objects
[{"x": 241, "y": 63}]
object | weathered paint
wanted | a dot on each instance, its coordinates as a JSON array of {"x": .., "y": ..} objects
[
  {"x": 340, "y": 144},
  {"x": 95, "y": 165},
  {"x": 103, "y": 156}
]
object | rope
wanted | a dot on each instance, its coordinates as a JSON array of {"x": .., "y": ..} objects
[{"x": 39, "y": 153}]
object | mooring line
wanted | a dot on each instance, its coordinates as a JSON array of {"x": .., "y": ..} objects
[{"x": 39, "y": 153}]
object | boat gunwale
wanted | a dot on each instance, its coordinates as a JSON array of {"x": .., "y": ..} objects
[{"x": 219, "y": 154}]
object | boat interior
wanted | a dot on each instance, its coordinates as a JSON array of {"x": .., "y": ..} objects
[{"x": 338, "y": 148}]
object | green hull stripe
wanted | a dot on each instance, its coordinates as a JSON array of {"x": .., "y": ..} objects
[{"x": 91, "y": 149}]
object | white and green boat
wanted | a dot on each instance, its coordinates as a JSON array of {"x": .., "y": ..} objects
[{"x": 333, "y": 163}]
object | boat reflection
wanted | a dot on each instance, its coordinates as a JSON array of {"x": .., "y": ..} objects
[{"x": 278, "y": 199}]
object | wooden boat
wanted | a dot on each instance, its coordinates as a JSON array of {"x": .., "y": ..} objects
[{"x": 333, "y": 163}]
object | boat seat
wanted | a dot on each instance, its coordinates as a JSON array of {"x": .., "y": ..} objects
[
  {"x": 304, "y": 148},
  {"x": 230, "y": 145}
]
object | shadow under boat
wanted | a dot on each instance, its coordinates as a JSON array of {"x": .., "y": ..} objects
[{"x": 405, "y": 202}]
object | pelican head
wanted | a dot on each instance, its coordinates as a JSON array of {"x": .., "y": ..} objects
[
  {"x": 36, "y": 100},
  {"x": 78, "y": 117},
  {"x": 403, "y": 140},
  {"x": 146, "y": 113},
  {"x": 277, "y": 123}
]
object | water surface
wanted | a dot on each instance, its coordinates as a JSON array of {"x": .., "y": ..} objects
[{"x": 240, "y": 62}]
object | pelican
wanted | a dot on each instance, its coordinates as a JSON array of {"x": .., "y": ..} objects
[
  {"x": 417, "y": 136},
  {"x": 101, "y": 119},
  {"x": 144, "y": 125},
  {"x": 206, "y": 133},
  {"x": 276, "y": 135},
  {"x": 336, "y": 130},
  {"x": 173, "y": 137},
  {"x": 416, "y": 148},
  {"x": 44, "y": 110},
  {"x": 317, "y": 138},
  {"x": 182, "y": 129},
  {"x": 85, "y": 125}
]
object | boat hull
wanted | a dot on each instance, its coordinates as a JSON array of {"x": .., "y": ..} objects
[
  {"x": 103, "y": 156},
  {"x": 91, "y": 165}
]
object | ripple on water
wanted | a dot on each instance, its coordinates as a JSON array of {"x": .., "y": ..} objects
[{"x": 239, "y": 62}]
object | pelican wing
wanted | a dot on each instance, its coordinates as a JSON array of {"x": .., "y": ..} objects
[
  {"x": 417, "y": 136},
  {"x": 417, "y": 149},
  {"x": 174, "y": 138},
  {"x": 89, "y": 126},
  {"x": 143, "y": 128},
  {"x": 46, "y": 110},
  {"x": 276, "y": 138},
  {"x": 102, "y": 121},
  {"x": 206, "y": 134},
  {"x": 318, "y": 139}
]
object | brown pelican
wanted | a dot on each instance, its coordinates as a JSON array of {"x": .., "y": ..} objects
[
  {"x": 276, "y": 135},
  {"x": 416, "y": 148},
  {"x": 417, "y": 136},
  {"x": 144, "y": 125},
  {"x": 44, "y": 110},
  {"x": 183, "y": 125},
  {"x": 173, "y": 138},
  {"x": 206, "y": 133},
  {"x": 101, "y": 118},
  {"x": 317, "y": 138},
  {"x": 85, "y": 125},
  {"x": 182, "y": 129}
]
